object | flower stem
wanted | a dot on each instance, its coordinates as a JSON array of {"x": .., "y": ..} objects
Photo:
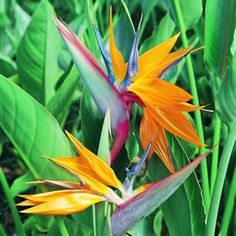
[
  {"x": 94, "y": 221},
  {"x": 218, "y": 187},
  {"x": 19, "y": 227},
  {"x": 61, "y": 225},
  {"x": 229, "y": 206},
  {"x": 215, "y": 153},
  {"x": 197, "y": 114}
]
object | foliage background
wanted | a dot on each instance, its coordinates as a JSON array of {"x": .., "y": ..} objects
[{"x": 33, "y": 56}]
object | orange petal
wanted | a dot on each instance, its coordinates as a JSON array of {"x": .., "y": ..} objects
[
  {"x": 27, "y": 203},
  {"x": 166, "y": 62},
  {"x": 67, "y": 204},
  {"x": 159, "y": 93},
  {"x": 73, "y": 165},
  {"x": 149, "y": 60},
  {"x": 149, "y": 127},
  {"x": 118, "y": 64},
  {"x": 177, "y": 123},
  {"x": 49, "y": 196},
  {"x": 97, "y": 166}
]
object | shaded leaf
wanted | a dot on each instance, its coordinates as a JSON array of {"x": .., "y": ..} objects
[
  {"x": 226, "y": 99},
  {"x": 20, "y": 184},
  {"x": 220, "y": 26},
  {"x": 91, "y": 121}
]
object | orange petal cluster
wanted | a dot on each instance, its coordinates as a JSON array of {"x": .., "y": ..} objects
[
  {"x": 164, "y": 103},
  {"x": 94, "y": 177}
]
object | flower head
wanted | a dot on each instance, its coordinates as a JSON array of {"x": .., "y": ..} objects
[
  {"x": 140, "y": 80},
  {"x": 95, "y": 179}
]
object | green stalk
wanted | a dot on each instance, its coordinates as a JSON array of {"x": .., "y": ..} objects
[
  {"x": 19, "y": 227},
  {"x": 197, "y": 114},
  {"x": 215, "y": 153},
  {"x": 229, "y": 206},
  {"x": 94, "y": 221},
  {"x": 218, "y": 187},
  {"x": 61, "y": 225}
]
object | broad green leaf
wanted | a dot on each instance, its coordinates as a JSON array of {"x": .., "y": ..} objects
[
  {"x": 191, "y": 12},
  {"x": 37, "y": 57},
  {"x": 20, "y": 184},
  {"x": 143, "y": 204},
  {"x": 33, "y": 131},
  {"x": 220, "y": 27},
  {"x": 226, "y": 99},
  {"x": 104, "y": 146}
]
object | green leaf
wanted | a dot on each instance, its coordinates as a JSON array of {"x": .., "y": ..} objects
[
  {"x": 220, "y": 26},
  {"x": 174, "y": 216},
  {"x": 163, "y": 32},
  {"x": 33, "y": 131},
  {"x": 124, "y": 32},
  {"x": 226, "y": 99},
  {"x": 191, "y": 12},
  {"x": 157, "y": 223},
  {"x": 22, "y": 22},
  {"x": 20, "y": 184},
  {"x": 73, "y": 228},
  {"x": 192, "y": 187},
  {"x": 91, "y": 121},
  {"x": 143, "y": 204},
  {"x": 60, "y": 103},
  {"x": 131, "y": 144},
  {"x": 143, "y": 227},
  {"x": 37, "y": 57},
  {"x": 8, "y": 67}
]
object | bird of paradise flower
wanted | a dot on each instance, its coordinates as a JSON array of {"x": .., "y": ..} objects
[
  {"x": 137, "y": 81},
  {"x": 95, "y": 179}
]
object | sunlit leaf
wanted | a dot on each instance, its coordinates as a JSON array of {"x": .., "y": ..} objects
[
  {"x": 37, "y": 57},
  {"x": 32, "y": 130}
]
